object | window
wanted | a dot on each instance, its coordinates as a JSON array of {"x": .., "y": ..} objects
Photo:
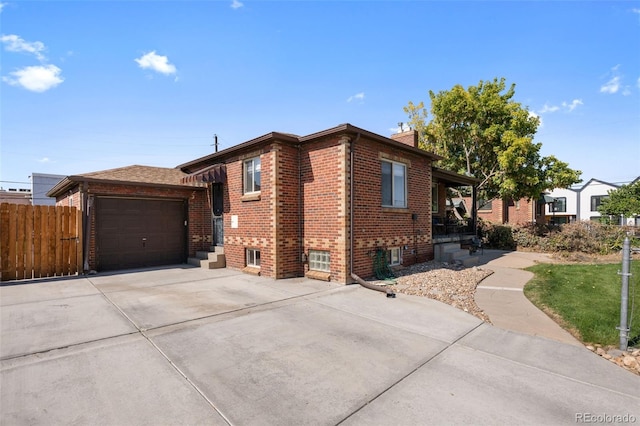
[
  {"x": 394, "y": 184},
  {"x": 434, "y": 197},
  {"x": 251, "y": 175},
  {"x": 484, "y": 205},
  {"x": 560, "y": 204},
  {"x": 393, "y": 256},
  {"x": 596, "y": 200},
  {"x": 319, "y": 261},
  {"x": 253, "y": 258}
]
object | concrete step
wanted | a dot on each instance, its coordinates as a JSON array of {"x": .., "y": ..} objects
[
  {"x": 442, "y": 252},
  {"x": 209, "y": 259}
]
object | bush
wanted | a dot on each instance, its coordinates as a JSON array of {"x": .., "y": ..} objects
[
  {"x": 496, "y": 236},
  {"x": 583, "y": 237}
]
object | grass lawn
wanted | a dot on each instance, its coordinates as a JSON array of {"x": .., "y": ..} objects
[{"x": 585, "y": 299}]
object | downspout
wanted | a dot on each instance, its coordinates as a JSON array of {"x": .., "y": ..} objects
[
  {"x": 359, "y": 280},
  {"x": 86, "y": 225},
  {"x": 300, "y": 209}
]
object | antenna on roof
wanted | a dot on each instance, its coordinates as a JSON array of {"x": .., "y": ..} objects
[
  {"x": 215, "y": 142},
  {"x": 401, "y": 126}
]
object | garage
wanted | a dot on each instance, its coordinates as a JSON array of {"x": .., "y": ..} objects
[{"x": 139, "y": 232}]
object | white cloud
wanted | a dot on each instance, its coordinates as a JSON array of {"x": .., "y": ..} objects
[
  {"x": 615, "y": 83},
  {"x": 548, "y": 108},
  {"x": 611, "y": 86},
  {"x": 357, "y": 96},
  {"x": 573, "y": 105},
  {"x": 235, "y": 4},
  {"x": 39, "y": 78},
  {"x": 564, "y": 106},
  {"x": 156, "y": 63},
  {"x": 44, "y": 160},
  {"x": 14, "y": 43},
  {"x": 2, "y": 5}
]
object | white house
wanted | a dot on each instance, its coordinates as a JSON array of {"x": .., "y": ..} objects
[
  {"x": 591, "y": 195},
  {"x": 581, "y": 203},
  {"x": 564, "y": 209}
]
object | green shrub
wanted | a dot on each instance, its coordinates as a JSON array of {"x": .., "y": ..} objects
[
  {"x": 496, "y": 236},
  {"x": 579, "y": 237}
]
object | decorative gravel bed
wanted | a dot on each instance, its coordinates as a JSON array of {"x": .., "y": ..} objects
[{"x": 448, "y": 283}]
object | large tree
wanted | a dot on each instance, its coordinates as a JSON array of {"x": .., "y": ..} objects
[
  {"x": 624, "y": 201},
  {"x": 481, "y": 131}
]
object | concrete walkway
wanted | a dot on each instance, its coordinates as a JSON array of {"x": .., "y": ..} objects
[
  {"x": 501, "y": 296},
  {"x": 189, "y": 346}
]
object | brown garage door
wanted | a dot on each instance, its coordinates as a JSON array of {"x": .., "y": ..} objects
[{"x": 132, "y": 233}]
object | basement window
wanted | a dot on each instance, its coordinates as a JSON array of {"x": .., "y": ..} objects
[
  {"x": 319, "y": 261},
  {"x": 253, "y": 258},
  {"x": 393, "y": 256}
]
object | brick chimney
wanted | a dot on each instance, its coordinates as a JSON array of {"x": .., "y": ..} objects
[{"x": 409, "y": 137}]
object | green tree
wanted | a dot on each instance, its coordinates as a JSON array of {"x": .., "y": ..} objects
[
  {"x": 622, "y": 201},
  {"x": 481, "y": 131}
]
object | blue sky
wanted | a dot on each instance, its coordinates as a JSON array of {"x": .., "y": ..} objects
[{"x": 93, "y": 85}]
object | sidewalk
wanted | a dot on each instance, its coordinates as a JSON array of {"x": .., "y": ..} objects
[{"x": 501, "y": 296}]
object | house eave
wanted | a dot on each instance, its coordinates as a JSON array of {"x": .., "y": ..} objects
[
  {"x": 453, "y": 178},
  {"x": 70, "y": 182},
  {"x": 195, "y": 165},
  {"x": 353, "y": 130}
]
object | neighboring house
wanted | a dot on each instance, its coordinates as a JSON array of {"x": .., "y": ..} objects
[
  {"x": 509, "y": 211},
  {"x": 15, "y": 196},
  {"x": 41, "y": 183},
  {"x": 561, "y": 205},
  {"x": 590, "y": 196},
  {"x": 325, "y": 205}
]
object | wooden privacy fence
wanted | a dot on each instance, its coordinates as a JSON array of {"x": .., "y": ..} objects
[{"x": 39, "y": 241}]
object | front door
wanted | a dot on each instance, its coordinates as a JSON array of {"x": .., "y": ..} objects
[{"x": 217, "y": 205}]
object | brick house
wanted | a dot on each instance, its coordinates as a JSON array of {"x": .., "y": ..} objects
[
  {"x": 511, "y": 211},
  {"x": 325, "y": 205},
  {"x": 322, "y": 205}
]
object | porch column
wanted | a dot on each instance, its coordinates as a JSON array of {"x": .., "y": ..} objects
[{"x": 474, "y": 209}]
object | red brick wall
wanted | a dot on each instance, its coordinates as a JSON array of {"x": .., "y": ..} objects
[
  {"x": 254, "y": 215},
  {"x": 287, "y": 212},
  {"x": 521, "y": 211},
  {"x": 494, "y": 215},
  {"x": 323, "y": 198},
  {"x": 377, "y": 227},
  {"x": 513, "y": 212},
  {"x": 199, "y": 225}
]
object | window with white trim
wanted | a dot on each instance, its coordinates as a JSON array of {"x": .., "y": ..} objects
[
  {"x": 253, "y": 258},
  {"x": 394, "y": 257},
  {"x": 319, "y": 261},
  {"x": 251, "y": 173},
  {"x": 394, "y": 184}
]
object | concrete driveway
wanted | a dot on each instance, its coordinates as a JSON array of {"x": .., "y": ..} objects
[{"x": 182, "y": 345}]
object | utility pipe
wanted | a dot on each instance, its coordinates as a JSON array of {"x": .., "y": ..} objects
[{"x": 375, "y": 287}]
